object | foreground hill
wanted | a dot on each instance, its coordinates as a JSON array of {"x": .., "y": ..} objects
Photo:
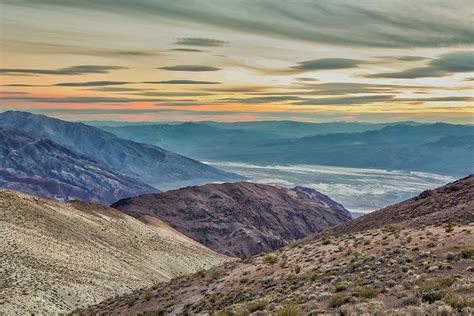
[
  {"x": 57, "y": 257},
  {"x": 41, "y": 167},
  {"x": 409, "y": 268},
  {"x": 151, "y": 164},
  {"x": 239, "y": 219}
]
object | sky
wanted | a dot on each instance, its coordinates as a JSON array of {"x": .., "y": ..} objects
[{"x": 239, "y": 60}]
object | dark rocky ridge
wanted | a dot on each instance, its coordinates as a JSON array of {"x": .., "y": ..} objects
[
  {"x": 151, "y": 164},
  {"x": 41, "y": 167},
  {"x": 240, "y": 219}
]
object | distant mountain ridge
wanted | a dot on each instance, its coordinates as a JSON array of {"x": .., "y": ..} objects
[
  {"x": 438, "y": 148},
  {"x": 242, "y": 218},
  {"x": 39, "y": 166},
  {"x": 151, "y": 164}
]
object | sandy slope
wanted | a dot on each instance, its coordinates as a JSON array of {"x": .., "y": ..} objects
[{"x": 56, "y": 257}]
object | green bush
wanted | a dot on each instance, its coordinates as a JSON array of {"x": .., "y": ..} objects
[
  {"x": 288, "y": 310},
  {"x": 258, "y": 305},
  {"x": 339, "y": 299},
  {"x": 270, "y": 259},
  {"x": 468, "y": 252}
]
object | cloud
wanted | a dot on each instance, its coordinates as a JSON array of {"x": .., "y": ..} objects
[
  {"x": 76, "y": 99},
  {"x": 309, "y": 66},
  {"x": 303, "y": 79},
  {"x": 188, "y": 50},
  {"x": 445, "y": 65},
  {"x": 354, "y": 100},
  {"x": 117, "y": 89},
  {"x": 74, "y": 70},
  {"x": 405, "y": 58},
  {"x": 397, "y": 24},
  {"x": 192, "y": 68},
  {"x": 92, "y": 84},
  {"x": 181, "y": 81},
  {"x": 327, "y": 64},
  {"x": 264, "y": 99},
  {"x": 205, "y": 42},
  {"x": 13, "y": 92},
  {"x": 175, "y": 94}
]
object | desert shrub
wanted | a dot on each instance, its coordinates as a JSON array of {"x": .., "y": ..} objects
[
  {"x": 288, "y": 310},
  {"x": 410, "y": 300},
  {"x": 468, "y": 252},
  {"x": 339, "y": 299},
  {"x": 457, "y": 301},
  {"x": 258, "y": 305},
  {"x": 326, "y": 241},
  {"x": 436, "y": 283},
  {"x": 161, "y": 311},
  {"x": 342, "y": 286},
  {"x": 216, "y": 274},
  {"x": 270, "y": 259},
  {"x": 132, "y": 300},
  {"x": 223, "y": 312},
  {"x": 368, "y": 292},
  {"x": 449, "y": 227}
]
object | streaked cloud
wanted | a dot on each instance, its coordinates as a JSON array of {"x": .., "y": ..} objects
[
  {"x": 187, "y": 50},
  {"x": 91, "y": 84},
  {"x": 181, "y": 81},
  {"x": 84, "y": 100},
  {"x": 448, "y": 64},
  {"x": 190, "y": 68},
  {"x": 327, "y": 64},
  {"x": 395, "y": 24},
  {"x": 353, "y": 100},
  {"x": 205, "y": 42},
  {"x": 74, "y": 70}
]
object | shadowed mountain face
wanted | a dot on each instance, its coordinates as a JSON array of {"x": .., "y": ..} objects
[
  {"x": 39, "y": 166},
  {"x": 57, "y": 257},
  {"x": 151, "y": 164},
  {"x": 419, "y": 263},
  {"x": 439, "y": 148},
  {"x": 240, "y": 219}
]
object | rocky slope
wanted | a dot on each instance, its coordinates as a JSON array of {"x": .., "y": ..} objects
[
  {"x": 39, "y": 166},
  {"x": 151, "y": 164},
  {"x": 453, "y": 202},
  {"x": 56, "y": 257},
  {"x": 418, "y": 266},
  {"x": 240, "y": 219}
]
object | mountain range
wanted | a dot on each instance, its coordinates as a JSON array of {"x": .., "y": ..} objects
[
  {"x": 438, "y": 148},
  {"x": 239, "y": 219},
  {"x": 153, "y": 165},
  {"x": 39, "y": 166},
  {"x": 418, "y": 264}
]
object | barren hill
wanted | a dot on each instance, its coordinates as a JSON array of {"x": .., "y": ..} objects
[
  {"x": 417, "y": 267},
  {"x": 240, "y": 219},
  {"x": 56, "y": 257}
]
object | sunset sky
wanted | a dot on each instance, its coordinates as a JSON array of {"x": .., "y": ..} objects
[{"x": 224, "y": 60}]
